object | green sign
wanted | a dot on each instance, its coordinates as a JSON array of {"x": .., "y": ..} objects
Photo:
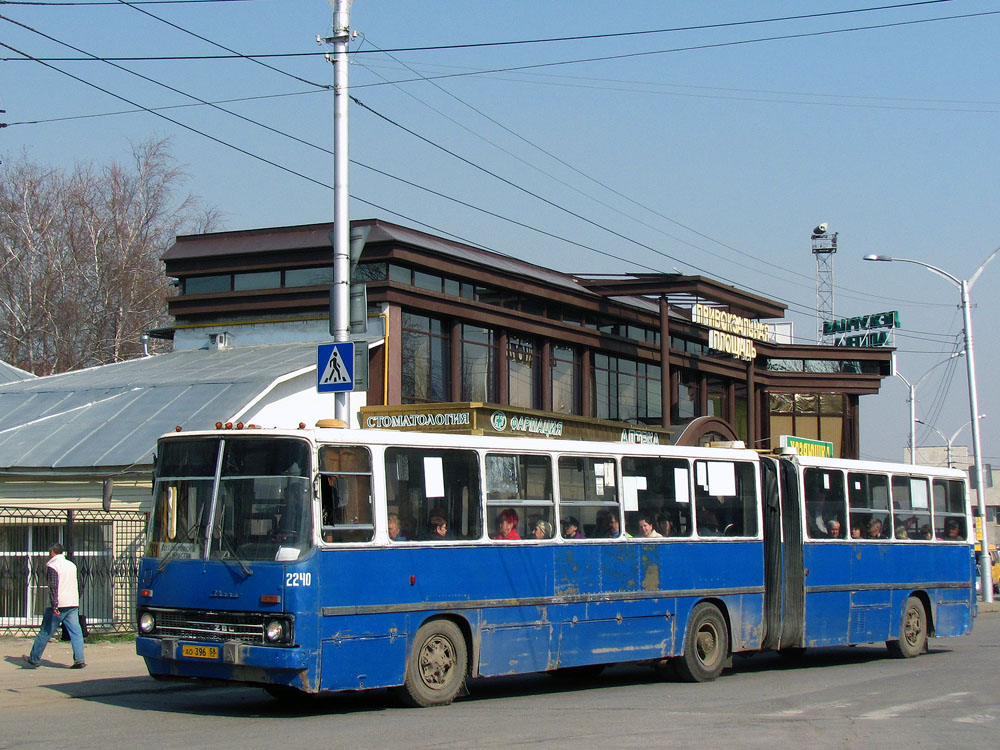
[{"x": 807, "y": 447}]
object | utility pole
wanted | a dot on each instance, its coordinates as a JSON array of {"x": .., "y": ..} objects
[{"x": 341, "y": 291}]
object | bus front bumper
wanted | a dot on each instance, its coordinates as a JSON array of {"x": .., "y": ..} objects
[{"x": 215, "y": 659}]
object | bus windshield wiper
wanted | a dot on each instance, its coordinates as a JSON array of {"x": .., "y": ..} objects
[
  {"x": 173, "y": 550},
  {"x": 223, "y": 537}
]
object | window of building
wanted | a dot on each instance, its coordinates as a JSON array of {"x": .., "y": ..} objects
[
  {"x": 521, "y": 381},
  {"x": 310, "y": 276},
  {"x": 868, "y": 496},
  {"x": 369, "y": 272},
  {"x": 478, "y": 364},
  {"x": 346, "y": 494},
  {"x": 826, "y": 506},
  {"x": 587, "y": 489},
  {"x": 725, "y": 494},
  {"x": 816, "y": 416},
  {"x": 659, "y": 491},
  {"x": 521, "y": 484},
  {"x": 564, "y": 380},
  {"x": 245, "y": 282},
  {"x": 400, "y": 275},
  {"x": 425, "y": 370},
  {"x": 434, "y": 493},
  {"x": 688, "y": 397},
  {"x": 626, "y": 390},
  {"x": 428, "y": 281},
  {"x": 717, "y": 390},
  {"x": 208, "y": 284}
]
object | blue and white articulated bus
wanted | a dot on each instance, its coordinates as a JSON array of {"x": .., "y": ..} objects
[{"x": 328, "y": 559}]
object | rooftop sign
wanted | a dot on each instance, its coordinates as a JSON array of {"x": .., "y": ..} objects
[{"x": 865, "y": 330}]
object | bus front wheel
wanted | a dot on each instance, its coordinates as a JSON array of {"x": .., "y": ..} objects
[
  {"x": 912, "y": 631},
  {"x": 706, "y": 645},
  {"x": 435, "y": 669}
]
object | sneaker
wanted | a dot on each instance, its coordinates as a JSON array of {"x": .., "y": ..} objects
[
  {"x": 29, "y": 664},
  {"x": 78, "y": 665}
]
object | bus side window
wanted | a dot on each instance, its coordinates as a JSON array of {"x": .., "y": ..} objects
[
  {"x": 435, "y": 492},
  {"x": 826, "y": 512},
  {"x": 520, "y": 485},
  {"x": 725, "y": 498},
  {"x": 659, "y": 488},
  {"x": 345, "y": 495},
  {"x": 949, "y": 509},
  {"x": 588, "y": 491},
  {"x": 910, "y": 506}
]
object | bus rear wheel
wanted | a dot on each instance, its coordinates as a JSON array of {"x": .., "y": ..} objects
[
  {"x": 706, "y": 645},
  {"x": 912, "y": 631},
  {"x": 435, "y": 669}
]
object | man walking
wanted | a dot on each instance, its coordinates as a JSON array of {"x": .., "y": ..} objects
[{"x": 64, "y": 597}]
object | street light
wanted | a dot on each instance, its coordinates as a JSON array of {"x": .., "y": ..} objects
[
  {"x": 912, "y": 387},
  {"x": 977, "y": 447},
  {"x": 948, "y": 441}
]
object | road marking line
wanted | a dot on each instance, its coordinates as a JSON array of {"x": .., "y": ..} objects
[{"x": 894, "y": 711}]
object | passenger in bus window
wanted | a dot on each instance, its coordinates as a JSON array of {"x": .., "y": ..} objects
[
  {"x": 925, "y": 532},
  {"x": 542, "y": 530},
  {"x": 901, "y": 532},
  {"x": 437, "y": 528},
  {"x": 833, "y": 528},
  {"x": 856, "y": 530},
  {"x": 708, "y": 523},
  {"x": 508, "y": 524},
  {"x": 571, "y": 528},
  {"x": 646, "y": 526},
  {"x": 394, "y": 531},
  {"x": 663, "y": 525},
  {"x": 607, "y": 527},
  {"x": 952, "y": 530},
  {"x": 875, "y": 529}
]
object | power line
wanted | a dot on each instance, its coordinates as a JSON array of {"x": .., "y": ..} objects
[
  {"x": 134, "y": 6},
  {"x": 74, "y": 3},
  {"x": 715, "y": 45}
]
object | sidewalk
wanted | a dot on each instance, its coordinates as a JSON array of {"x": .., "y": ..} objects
[{"x": 112, "y": 667}]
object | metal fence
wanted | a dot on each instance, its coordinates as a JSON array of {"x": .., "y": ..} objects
[{"x": 106, "y": 547}]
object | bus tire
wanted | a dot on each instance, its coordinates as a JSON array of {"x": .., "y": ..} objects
[
  {"x": 436, "y": 666},
  {"x": 706, "y": 645},
  {"x": 912, "y": 631}
]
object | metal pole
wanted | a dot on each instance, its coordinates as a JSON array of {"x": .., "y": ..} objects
[
  {"x": 341, "y": 191},
  {"x": 984, "y": 550},
  {"x": 913, "y": 424}
]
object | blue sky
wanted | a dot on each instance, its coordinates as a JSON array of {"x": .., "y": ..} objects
[{"x": 714, "y": 154}]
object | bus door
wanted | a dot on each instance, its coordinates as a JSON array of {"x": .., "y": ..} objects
[
  {"x": 873, "y": 562},
  {"x": 827, "y": 557}
]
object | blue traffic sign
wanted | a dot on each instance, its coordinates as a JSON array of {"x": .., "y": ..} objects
[{"x": 335, "y": 367}]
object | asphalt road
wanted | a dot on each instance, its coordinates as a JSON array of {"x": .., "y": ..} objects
[{"x": 828, "y": 698}]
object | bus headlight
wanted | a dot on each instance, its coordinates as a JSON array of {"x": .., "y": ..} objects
[
  {"x": 147, "y": 623},
  {"x": 276, "y": 631}
]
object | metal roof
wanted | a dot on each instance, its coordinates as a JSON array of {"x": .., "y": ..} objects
[
  {"x": 110, "y": 416},
  {"x": 11, "y": 374}
]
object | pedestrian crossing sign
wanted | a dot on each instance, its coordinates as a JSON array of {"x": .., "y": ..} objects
[{"x": 335, "y": 367}]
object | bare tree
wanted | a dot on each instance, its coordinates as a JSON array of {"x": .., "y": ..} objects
[{"x": 80, "y": 271}]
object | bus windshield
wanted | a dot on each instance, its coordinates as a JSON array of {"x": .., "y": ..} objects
[{"x": 250, "y": 497}]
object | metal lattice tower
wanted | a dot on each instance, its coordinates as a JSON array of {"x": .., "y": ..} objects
[{"x": 824, "y": 245}]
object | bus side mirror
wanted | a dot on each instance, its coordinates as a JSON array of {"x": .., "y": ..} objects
[{"x": 109, "y": 486}]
